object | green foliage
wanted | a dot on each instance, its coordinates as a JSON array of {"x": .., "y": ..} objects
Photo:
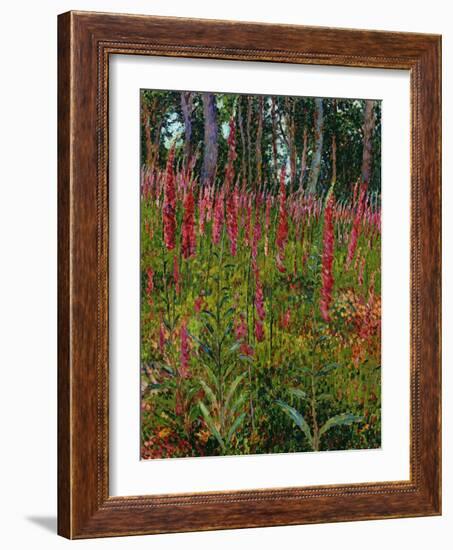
[
  {"x": 236, "y": 355},
  {"x": 343, "y": 118}
]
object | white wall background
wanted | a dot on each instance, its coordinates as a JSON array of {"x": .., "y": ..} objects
[{"x": 28, "y": 122}]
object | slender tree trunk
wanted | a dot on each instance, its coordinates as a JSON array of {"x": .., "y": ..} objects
[
  {"x": 303, "y": 160},
  {"x": 241, "y": 130},
  {"x": 249, "y": 140},
  {"x": 155, "y": 147},
  {"x": 210, "y": 152},
  {"x": 259, "y": 137},
  {"x": 148, "y": 140},
  {"x": 187, "y": 108},
  {"x": 334, "y": 159},
  {"x": 368, "y": 128},
  {"x": 292, "y": 154},
  {"x": 274, "y": 136},
  {"x": 290, "y": 127},
  {"x": 152, "y": 145},
  {"x": 317, "y": 154}
]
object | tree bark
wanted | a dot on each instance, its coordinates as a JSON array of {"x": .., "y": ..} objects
[
  {"x": 303, "y": 160},
  {"x": 210, "y": 151},
  {"x": 368, "y": 128},
  {"x": 317, "y": 154},
  {"x": 241, "y": 129},
  {"x": 259, "y": 137},
  {"x": 334, "y": 159},
  {"x": 249, "y": 140},
  {"x": 290, "y": 107},
  {"x": 187, "y": 109},
  {"x": 274, "y": 136}
]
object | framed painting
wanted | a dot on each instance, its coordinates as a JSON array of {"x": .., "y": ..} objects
[{"x": 249, "y": 275}]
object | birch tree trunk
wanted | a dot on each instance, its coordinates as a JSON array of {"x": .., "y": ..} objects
[
  {"x": 317, "y": 154},
  {"x": 368, "y": 128},
  {"x": 210, "y": 152}
]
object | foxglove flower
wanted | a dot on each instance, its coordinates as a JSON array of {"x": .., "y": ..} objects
[
  {"x": 282, "y": 230},
  {"x": 169, "y": 208},
  {"x": 327, "y": 260},
  {"x": 217, "y": 224},
  {"x": 356, "y": 226},
  {"x": 232, "y": 220},
  {"x": 188, "y": 226}
]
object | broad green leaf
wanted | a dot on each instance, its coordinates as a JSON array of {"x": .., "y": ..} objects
[
  {"x": 297, "y": 418},
  {"x": 194, "y": 413},
  {"x": 211, "y": 425},
  {"x": 324, "y": 397},
  {"x": 229, "y": 370},
  {"x": 211, "y": 375},
  {"x": 228, "y": 328},
  {"x": 235, "y": 406},
  {"x": 232, "y": 389},
  {"x": 210, "y": 394},
  {"x": 345, "y": 419},
  {"x": 235, "y": 426},
  {"x": 298, "y": 393}
]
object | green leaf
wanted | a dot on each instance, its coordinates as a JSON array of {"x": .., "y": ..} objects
[
  {"x": 229, "y": 311},
  {"x": 235, "y": 347},
  {"x": 225, "y": 298},
  {"x": 211, "y": 425},
  {"x": 209, "y": 327},
  {"x": 246, "y": 358},
  {"x": 235, "y": 426},
  {"x": 202, "y": 345},
  {"x": 328, "y": 368},
  {"x": 194, "y": 413},
  {"x": 229, "y": 370},
  {"x": 207, "y": 312},
  {"x": 211, "y": 375},
  {"x": 297, "y": 418},
  {"x": 209, "y": 393},
  {"x": 305, "y": 370},
  {"x": 232, "y": 389},
  {"x": 298, "y": 393},
  {"x": 234, "y": 407},
  {"x": 345, "y": 419},
  {"x": 228, "y": 329},
  {"x": 324, "y": 397}
]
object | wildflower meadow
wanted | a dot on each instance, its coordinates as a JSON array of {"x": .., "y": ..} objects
[{"x": 260, "y": 274}]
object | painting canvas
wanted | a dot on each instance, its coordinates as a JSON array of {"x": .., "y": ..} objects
[{"x": 260, "y": 274}]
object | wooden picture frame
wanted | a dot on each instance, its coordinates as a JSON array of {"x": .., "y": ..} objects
[{"x": 85, "y": 41}]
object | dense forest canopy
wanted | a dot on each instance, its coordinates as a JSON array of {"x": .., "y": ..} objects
[{"x": 318, "y": 139}]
